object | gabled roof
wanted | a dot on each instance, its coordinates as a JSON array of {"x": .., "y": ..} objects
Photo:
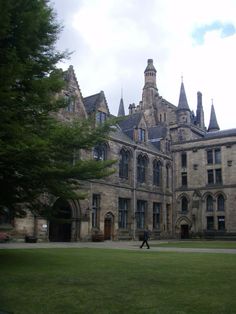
[
  {"x": 183, "y": 103},
  {"x": 213, "y": 125},
  {"x": 92, "y": 102}
]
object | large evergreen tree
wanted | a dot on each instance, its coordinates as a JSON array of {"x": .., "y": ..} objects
[{"x": 35, "y": 149}]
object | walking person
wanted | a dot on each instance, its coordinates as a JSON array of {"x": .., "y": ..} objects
[{"x": 145, "y": 238}]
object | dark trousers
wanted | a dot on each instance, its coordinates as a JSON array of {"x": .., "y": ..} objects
[{"x": 145, "y": 242}]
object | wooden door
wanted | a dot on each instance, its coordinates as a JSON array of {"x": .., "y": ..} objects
[{"x": 107, "y": 228}]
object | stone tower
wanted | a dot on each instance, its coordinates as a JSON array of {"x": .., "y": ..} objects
[
  {"x": 200, "y": 113},
  {"x": 150, "y": 88},
  {"x": 150, "y": 94}
]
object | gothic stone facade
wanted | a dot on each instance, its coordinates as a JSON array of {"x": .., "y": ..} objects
[{"x": 173, "y": 175}]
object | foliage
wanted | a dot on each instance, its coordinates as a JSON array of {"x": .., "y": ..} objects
[{"x": 36, "y": 150}]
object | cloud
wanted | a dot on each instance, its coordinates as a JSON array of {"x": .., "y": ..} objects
[
  {"x": 226, "y": 29},
  {"x": 113, "y": 39}
]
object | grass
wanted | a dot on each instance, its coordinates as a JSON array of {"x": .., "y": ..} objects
[
  {"x": 116, "y": 281},
  {"x": 199, "y": 244}
]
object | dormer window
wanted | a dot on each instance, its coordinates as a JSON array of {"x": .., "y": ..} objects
[
  {"x": 141, "y": 135},
  {"x": 101, "y": 117}
]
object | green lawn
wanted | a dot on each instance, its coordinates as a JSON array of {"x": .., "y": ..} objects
[
  {"x": 198, "y": 244},
  {"x": 116, "y": 281}
]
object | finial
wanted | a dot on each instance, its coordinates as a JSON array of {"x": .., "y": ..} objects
[
  {"x": 121, "y": 92},
  {"x": 212, "y": 101},
  {"x": 182, "y": 78}
]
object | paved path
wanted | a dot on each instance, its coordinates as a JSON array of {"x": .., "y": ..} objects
[{"x": 123, "y": 245}]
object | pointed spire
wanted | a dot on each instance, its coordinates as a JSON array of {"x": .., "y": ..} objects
[
  {"x": 121, "y": 111},
  {"x": 183, "y": 103},
  {"x": 213, "y": 125}
]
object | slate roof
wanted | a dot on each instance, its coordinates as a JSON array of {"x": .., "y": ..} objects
[
  {"x": 118, "y": 134},
  {"x": 91, "y": 102},
  {"x": 130, "y": 121},
  {"x": 157, "y": 132},
  {"x": 219, "y": 134}
]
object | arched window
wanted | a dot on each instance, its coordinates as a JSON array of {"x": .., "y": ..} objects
[
  {"x": 184, "y": 204},
  {"x": 124, "y": 164},
  {"x": 209, "y": 203},
  {"x": 221, "y": 203},
  {"x": 100, "y": 152},
  {"x": 156, "y": 173},
  {"x": 141, "y": 168}
]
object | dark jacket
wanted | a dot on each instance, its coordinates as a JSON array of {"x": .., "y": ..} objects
[{"x": 146, "y": 235}]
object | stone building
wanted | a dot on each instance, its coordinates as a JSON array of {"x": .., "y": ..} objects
[{"x": 173, "y": 174}]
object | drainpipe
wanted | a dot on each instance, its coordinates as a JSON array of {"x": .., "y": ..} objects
[{"x": 134, "y": 193}]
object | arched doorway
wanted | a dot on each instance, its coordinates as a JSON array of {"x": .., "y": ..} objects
[
  {"x": 108, "y": 226},
  {"x": 183, "y": 226},
  {"x": 184, "y": 231},
  {"x": 60, "y": 222}
]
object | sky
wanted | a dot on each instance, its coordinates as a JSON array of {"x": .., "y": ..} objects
[{"x": 111, "y": 41}]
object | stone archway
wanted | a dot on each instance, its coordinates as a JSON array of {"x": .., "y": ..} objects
[
  {"x": 183, "y": 225},
  {"x": 60, "y": 224}
]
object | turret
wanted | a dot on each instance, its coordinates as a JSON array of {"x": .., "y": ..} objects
[
  {"x": 150, "y": 75},
  {"x": 213, "y": 125},
  {"x": 150, "y": 90}
]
